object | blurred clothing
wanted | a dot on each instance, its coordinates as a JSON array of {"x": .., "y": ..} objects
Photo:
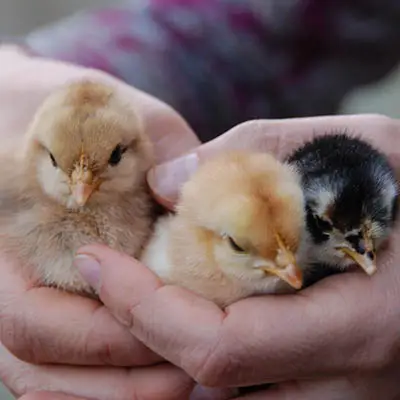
[{"x": 221, "y": 62}]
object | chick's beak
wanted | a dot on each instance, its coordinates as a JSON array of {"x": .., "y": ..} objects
[
  {"x": 82, "y": 184},
  {"x": 365, "y": 259},
  {"x": 285, "y": 267},
  {"x": 291, "y": 274},
  {"x": 81, "y": 192}
]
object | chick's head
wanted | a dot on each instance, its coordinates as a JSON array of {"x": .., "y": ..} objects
[
  {"x": 349, "y": 217},
  {"x": 86, "y": 144},
  {"x": 249, "y": 207}
]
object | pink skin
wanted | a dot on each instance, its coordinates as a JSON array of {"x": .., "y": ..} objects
[{"x": 48, "y": 396}]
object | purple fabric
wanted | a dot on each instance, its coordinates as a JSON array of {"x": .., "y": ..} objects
[{"x": 221, "y": 62}]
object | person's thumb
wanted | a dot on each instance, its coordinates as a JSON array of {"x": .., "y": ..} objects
[
  {"x": 48, "y": 396},
  {"x": 166, "y": 180}
]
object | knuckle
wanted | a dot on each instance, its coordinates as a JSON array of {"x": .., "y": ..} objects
[
  {"x": 107, "y": 351},
  {"x": 249, "y": 126},
  {"x": 14, "y": 337},
  {"x": 101, "y": 348},
  {"x": 95, "y": 343},
  {"x": 116, "y": 346},
  {"x": 212, "y": 368},
  {"x": 17, "y": 384}
]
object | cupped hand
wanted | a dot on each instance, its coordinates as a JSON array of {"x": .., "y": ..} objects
[
  {"x": 343, "y": 329},
  {"x": 48, "y": 396},
  {"x": 42, "y": 325}
]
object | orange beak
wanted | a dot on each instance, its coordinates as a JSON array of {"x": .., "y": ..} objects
[
  {"x": 82, "y": 184},
  {"x": 363, "y": 260},
  {"x": 285, "y": 266},
  {"x": 367, "y": 259},
  {"x": 291, "y": 274}
]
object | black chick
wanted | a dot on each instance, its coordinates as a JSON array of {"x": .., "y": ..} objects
[{"x": 351, "y": 197}]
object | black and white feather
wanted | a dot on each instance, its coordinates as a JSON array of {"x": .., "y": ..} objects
[{"x": 349, "y": 186}]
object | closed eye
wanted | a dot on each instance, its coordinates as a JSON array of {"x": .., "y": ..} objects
[
  {"x": 53, "y": 160},
  {"x": 322, "y": 224},
  {"x": 116, "y": 155},
  {"x": 353, "y": 239},
  {"x": 234, "y": 245}
]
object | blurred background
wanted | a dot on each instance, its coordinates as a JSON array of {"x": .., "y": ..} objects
[{"x": 19, "y": 17}]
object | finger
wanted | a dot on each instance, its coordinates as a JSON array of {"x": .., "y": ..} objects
[
  {"x": 162, "y": 382},
  {"x": 279, "y": 137},
  {"x": 329, "y": 389},
  {"x": 198, "y": 394},
  {"x": 26, "y": 81},
  {"x": 383, "y": 384},
  {"x": 48, "y": 396},
  {"x": 202, "y": 393},
  {"x": 322, "y": 330},
  {"x": 43, "y": 325},
  {"x": 378, "y": 384}
]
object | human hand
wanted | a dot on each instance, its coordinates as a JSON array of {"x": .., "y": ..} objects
[
  {"x": 61, "y": 396},
  {"x": 344, "y": 329},
  {"x": 48, "y": 396},
  {"x": 45, "y": 326}
]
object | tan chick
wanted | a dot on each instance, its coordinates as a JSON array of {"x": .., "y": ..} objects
[
  {"x": 78, "y": 177},
  {"x": 236, "y": 229}
]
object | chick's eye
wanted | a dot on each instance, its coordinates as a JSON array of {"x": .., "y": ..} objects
[
  {"x": 353, "y": 237},
  {"x": 234, "y": 245},
  {"x": 53, "y": 160},
  {"x": 323, "y": 224},
  {"x": 116, "y": 155}
]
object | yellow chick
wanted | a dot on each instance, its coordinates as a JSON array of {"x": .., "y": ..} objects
[
  {"x": 237, "y": 227},
  {"x": 78, "y": 177}
]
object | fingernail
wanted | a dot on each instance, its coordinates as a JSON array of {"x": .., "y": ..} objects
[
  {"x": 167, "y": 179},
  {"x": 89, "y": 268}
]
